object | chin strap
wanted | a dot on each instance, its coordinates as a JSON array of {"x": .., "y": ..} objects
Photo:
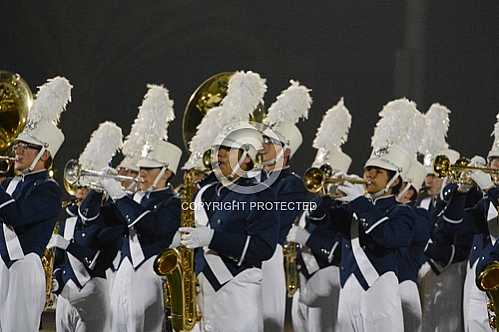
[
  {"x": 387, "y": 187},
  {"x": 158, "y": 177},
  {"x": 401, "y": 193},
  {"x": 38, "y": 156},
  {"x": 279, "y": 157},
  {"x": 238, "y": 166}
]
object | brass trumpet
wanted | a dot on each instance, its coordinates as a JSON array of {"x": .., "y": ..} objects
[
  {"x": 456, "y": 172},
  {"x": 322, "y": 180},
  {"x": 488, "y": 281},
  {"x": 6, "y": 164},
  {"x": 73, "y": 172}
]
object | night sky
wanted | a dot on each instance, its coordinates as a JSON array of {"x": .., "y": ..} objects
[{"x": 110, "y": 50}]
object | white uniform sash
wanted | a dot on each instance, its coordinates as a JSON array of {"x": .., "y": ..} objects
[
  {"x": 425, "y": 203},
  {"x": 493, "y": 223},
  {"x": 14, "y": 248},
  {"x": 216, "y": 264},
  {"x": 78, "y": 267},
  {"x": 136, "y": 253},
  {"x": 365, "y": 265}
]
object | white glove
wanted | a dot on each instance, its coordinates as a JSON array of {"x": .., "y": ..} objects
[
  {"x": 477, "y": 161},
  {"x": 176, "y": 240},
  {"x": 298, "y": 235},
  {"x": 57, "y": 241},
  {"x": 55, "y": 285},
  {"x": 482, "y": 179},
  {"x": 423, "y": 271},
  {"x": 351, "y": 191},
  {"x": 113, "y": 188},
  {"x": 196, "y": 237}
]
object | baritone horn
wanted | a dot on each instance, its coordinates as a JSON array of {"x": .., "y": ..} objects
[
  {"x": 321, "y": 180},
  {"x": 488, "y": 281},
  {"x": 73, "y": 172}
]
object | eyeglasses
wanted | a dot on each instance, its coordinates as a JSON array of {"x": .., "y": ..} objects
[{"x": 22, "y": 146}]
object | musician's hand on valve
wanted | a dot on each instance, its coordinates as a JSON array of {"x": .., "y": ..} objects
[
  {"x": 482, "y": 179},
  {"x": 57, "y": 241},
  {"x": 113, "y": 188},
  {"x": 196, "y": 237},
  {"x": 351, "y": 191},
  {"x": 477, "y": 161},
  {"x": 176, "y": 240}
]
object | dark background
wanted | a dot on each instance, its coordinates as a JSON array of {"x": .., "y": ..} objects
[{"x": 370, "y": 52}]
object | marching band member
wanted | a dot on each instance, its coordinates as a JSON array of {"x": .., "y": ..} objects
[
  {"x": 282, "y": 138},
  {"x": 481, "y": 221},
  {"x": 152, "y": 217},
  {"x": 233, "y": 242},
  {"x": 88, "y": 244},
  {"x": 412, "y": 257},
  {"x": 379, "y": 227},
  {"x": 409, "y": 258},
  {"x": 315, "y": 305},
  {"x": 30, "y": 204},
  {"x": 441, "y": 278}
]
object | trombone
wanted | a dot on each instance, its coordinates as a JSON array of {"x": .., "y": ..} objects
[
  {"x": 456, "y": 172},
  {"x": 73, "y": 173},
  {"x": 322, "y": 180}
]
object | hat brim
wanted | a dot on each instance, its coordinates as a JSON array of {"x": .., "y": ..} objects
[
  {"x": 375, "y": 162},
  {"x": 27, "y": 139},
  {"x": 148, "y": 163}
]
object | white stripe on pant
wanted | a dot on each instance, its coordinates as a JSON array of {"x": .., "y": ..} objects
[
  {"x": 411, "y": 306},
  {"x": 25, "y": 298},
  {"x": 137, "y": 299},
  {"x": 274, "y": 292},
  {"x": 377, "y": 309},
  {"x": 474, "y": 304},
  {"x": 83, "y": 310},
  {"x": 236, "y": 307}
]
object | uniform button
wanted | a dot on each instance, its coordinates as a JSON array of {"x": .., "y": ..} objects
[
  {"x": 219, "y": 221},
  {"x": 64, "y": 272},
  {"x": 474, "y": 247},
  {"x": 346, "y": 245},
  {"x": 83, "y": 235}
]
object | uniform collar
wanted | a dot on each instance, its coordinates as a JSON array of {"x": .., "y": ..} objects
[
  {"x": 385, "y": 201},
  {"x": 33, "y": 176}
]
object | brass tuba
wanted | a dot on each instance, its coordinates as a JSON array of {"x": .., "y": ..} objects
[
  {"x": 488, "y": 281},
  {"x": 15, "y": 102},
  {"x": 177, "y": 266}
]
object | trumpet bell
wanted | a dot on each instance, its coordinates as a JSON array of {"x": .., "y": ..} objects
[
  {"x": 15, "y": 102},
  {"x": 313, "y": 179},
  {"x": 441, "y": 165},
  {"x": 71, "y": 172},
  {"x": 6, "y": 164}
]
